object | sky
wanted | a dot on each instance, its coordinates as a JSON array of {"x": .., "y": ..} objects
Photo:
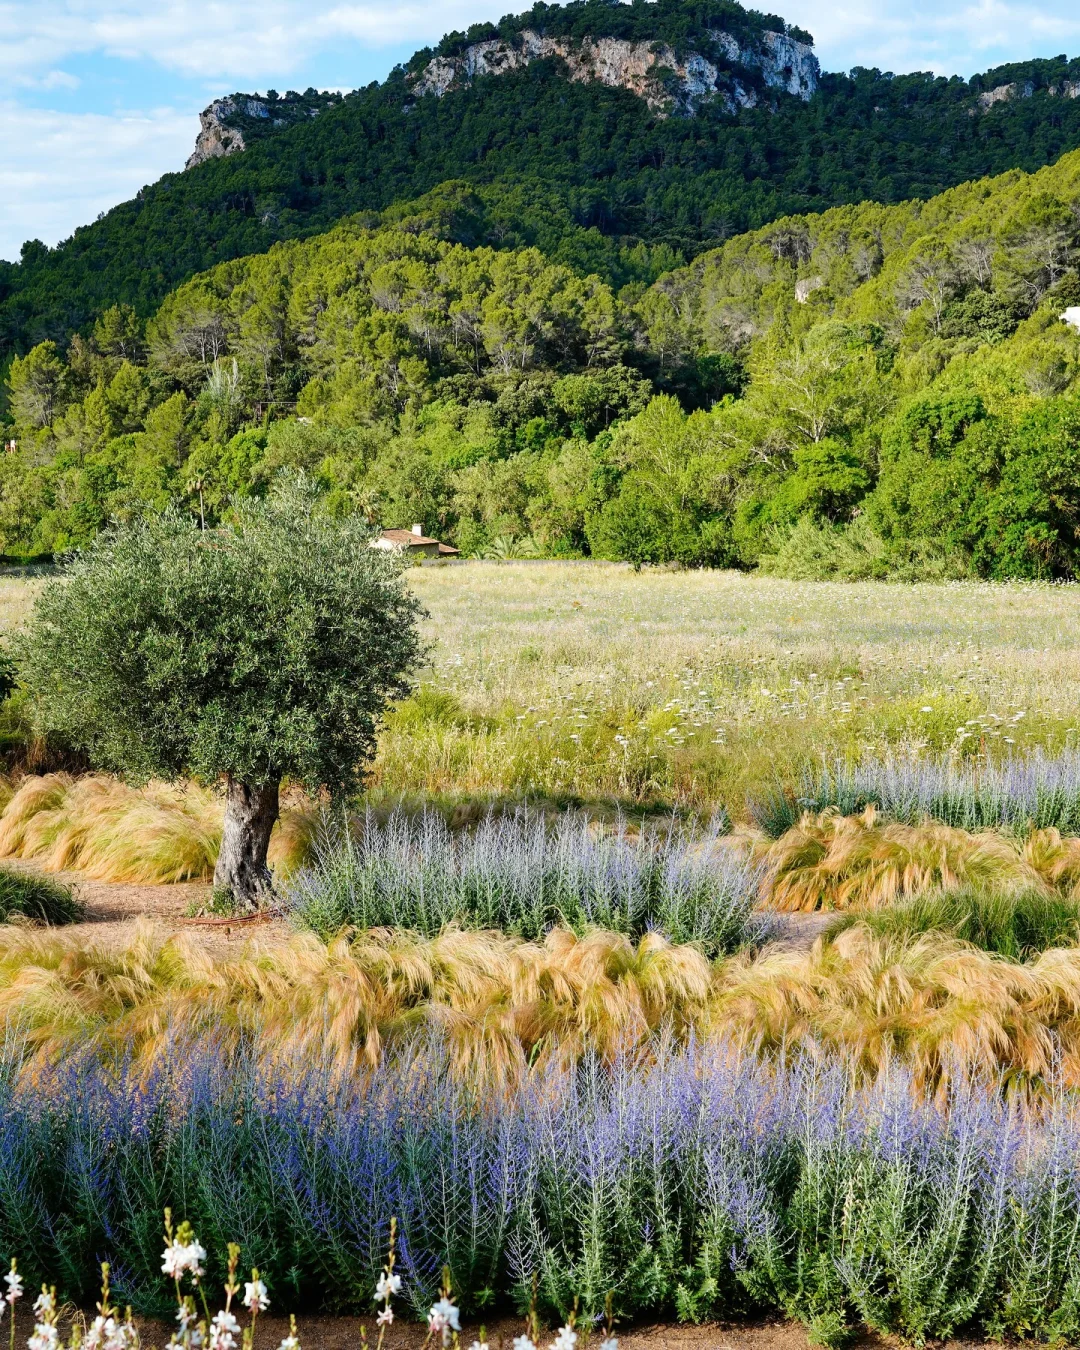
[{"x": 100, "y": 97}]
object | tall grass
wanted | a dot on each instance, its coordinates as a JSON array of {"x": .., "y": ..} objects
[
  {"x": 697, "y": 1183},
  {"x": 1018, "y": 924},
  {"x": 497, "y": 1005},
  {"x": 1020, "y": 793},
  {"x": 829, "y": 861},
  {"x": 112, "y": 832},
  {"x": 521, "y": 875},
  {"x": 36, "y": 898}
]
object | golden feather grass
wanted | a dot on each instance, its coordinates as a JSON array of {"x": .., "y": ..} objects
[
  {"x": 111, "y": 832},
  {"x": 829, "y": 861},
  {"x": 497, "y": 1002}
]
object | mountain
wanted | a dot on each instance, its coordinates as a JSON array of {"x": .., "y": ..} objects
[
  {"x": 590, "y": 129},
  {"x": 872, "y": 390}
]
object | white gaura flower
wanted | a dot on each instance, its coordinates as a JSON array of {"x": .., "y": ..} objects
[
  {"x": 386, "y": 1286},
  {"x": 256, "y": 1298},
  {"x": 565, "y": 1340},
  {"x": 180, "y": 1258},
  {"x": 479, "y": 1345},
  {"x": 610, "y": 1343},
  {"x": 43, "y": 1304},
  {"x": 290, "y": 1343},
  {"x": 106, "y": 1333},
  {"x": 385, "y": 1318},
  {"x": 444, "y": 1318},
  {"x": 524, "y": 1343},
  {"x": 224, "y": 1329},
  {"x": 45, "y": 1337},
  {"x": 13, "y": 1280}
]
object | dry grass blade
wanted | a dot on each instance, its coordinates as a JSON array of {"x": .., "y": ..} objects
[
  {"x": 498, "y": 1002},
  {"x": 112, "y": 832},
  {"x": 829, "y": 861}
]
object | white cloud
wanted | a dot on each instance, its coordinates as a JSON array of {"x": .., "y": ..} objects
[
  {"x": 953, "y": 37},
  {"x": 241, "y": 39},
  {"x": 58, "y": 171}
]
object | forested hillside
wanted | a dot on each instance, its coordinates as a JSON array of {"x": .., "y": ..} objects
[
  {"x": 585, "y": 172},
  {"x": 873, "y": 390}
]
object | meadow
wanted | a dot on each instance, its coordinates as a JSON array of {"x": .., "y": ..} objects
[{"x": 541, "y": 994}]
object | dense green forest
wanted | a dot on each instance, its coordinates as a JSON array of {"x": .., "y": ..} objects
[
  {"x": 869, "y": 391},
  {"x": 588, "y": 174}
]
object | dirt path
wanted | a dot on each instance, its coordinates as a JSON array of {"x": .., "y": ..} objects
[{"x": 112, "y": 906}]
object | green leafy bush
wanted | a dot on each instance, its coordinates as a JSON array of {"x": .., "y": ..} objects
[{"x": 36, "y": 897}]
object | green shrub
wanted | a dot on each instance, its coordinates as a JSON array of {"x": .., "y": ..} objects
[
  {"x": 1017, "y": 925},
  {"x": 36, "y": 897}
]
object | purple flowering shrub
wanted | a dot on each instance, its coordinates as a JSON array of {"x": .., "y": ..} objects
[
  {"x": 696, "y": 1183},
  {"x": 1021, "y": 793},
  {"x": 521, "y": 875}
]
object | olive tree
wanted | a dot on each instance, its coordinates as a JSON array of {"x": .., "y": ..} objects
[{"x": 241, "y": 656}]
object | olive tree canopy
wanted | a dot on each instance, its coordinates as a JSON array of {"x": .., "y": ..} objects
[{"x": 264, "y": 650}]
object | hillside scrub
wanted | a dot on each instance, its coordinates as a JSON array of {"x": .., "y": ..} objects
[{"x": 873, "y": 391}]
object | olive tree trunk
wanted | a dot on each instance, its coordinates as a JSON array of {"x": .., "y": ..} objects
[{"x": 250, "y": 813}]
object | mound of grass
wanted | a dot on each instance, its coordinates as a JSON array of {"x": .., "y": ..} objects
[
  {"x": 158, "y": 834},
  {"x": 36, "y": 898},
  {"x": 1018, "y": 925}
]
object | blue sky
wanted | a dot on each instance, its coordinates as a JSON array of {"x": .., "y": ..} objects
[{"x": 98, "y": 97}]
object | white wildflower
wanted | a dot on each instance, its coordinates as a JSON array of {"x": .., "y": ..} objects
[
  {"x": 385, "y": 1318},
  {"x": 444, "y": 1318},
  {"x": 256, "y": 1298},
  {"x": 44, "y": 1304},
  {"x": 565, "y": 1340},
  {"x": 479, "y": 1345},
  {"x": 386, "y": 1286},
  {"x": 181, "y": 1258},
  {"x": 13, "y": 1280},
  {"x": 45, "y": 1337},
  {"x": 290, "y": 1343},
  {"x": 224, "y": 1329},
  {"x": 524, "y": 1343},
  {"x": 610, "y": 1343}
]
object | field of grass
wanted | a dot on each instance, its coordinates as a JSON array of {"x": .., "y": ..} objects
[{"x": 688, "y": 689}]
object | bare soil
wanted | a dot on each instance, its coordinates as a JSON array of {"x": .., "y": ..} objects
[{"x": 343, "y": 1333}]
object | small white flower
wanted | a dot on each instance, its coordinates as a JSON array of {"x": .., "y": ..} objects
[
  {"x": 565, "y": 1340},
  {"x": 479, "y": 1345},
  {"x": 43, "y": 1304},
  {"x": 290, "y": 1343},
  {"x": 13, "y": 1280},
  {"x": 610, "y": 1343},
  {"x": 45, "y": 1337},
  {"x": 224, "y": 1329},
  {"x": 181, "y": 1258},
  {"x": 256, "y": 1298},
  {"x": 524, "y": 1343},
  {"x": 386, "y": 1286},
  {"x": 385, "y": 1318},
  {"x": 444, "y": 1318}
]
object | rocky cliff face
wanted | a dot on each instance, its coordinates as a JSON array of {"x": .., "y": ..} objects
[
  {"x": 230, "y": 124},
  {"x": 651, "y": 70}
]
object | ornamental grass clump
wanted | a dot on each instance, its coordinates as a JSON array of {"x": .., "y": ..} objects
[
  {"x": 497, "y": 1004},
  {"x": 1016, "y": 924},
  {"x": 522, "y": 875},
  {"x": 158, "y": 834}
]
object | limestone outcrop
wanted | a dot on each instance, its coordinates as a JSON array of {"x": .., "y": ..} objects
[{"x": 652, "y": 70}]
